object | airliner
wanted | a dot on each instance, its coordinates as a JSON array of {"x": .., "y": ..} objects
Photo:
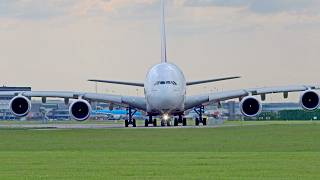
[{"x": 165, "y": 95}]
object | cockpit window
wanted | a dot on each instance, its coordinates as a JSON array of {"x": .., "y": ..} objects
[{"x": 165, "y": 82}]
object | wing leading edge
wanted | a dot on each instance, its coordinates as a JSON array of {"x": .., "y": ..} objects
[
  {"x": 142, "y": 85},
  {"x": 118, "y": 82},
  {"x": 132, "y": 101},
  {"x": 194, "y": 101},
  {"x": 211, "y": 80}
]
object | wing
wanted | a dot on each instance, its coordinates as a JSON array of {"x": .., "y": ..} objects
[
  {"x": 211, "y": 80},
  {"x": 142, "y": 85},
  {"x": 118, "y": 82},
  {"x": 132, "y": 101},
  {"x": 194, "y": 101}
]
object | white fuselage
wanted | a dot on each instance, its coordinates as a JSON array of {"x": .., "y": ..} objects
[{"x": 165, "y": 90}]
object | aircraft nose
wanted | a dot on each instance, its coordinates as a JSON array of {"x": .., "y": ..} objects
[{"x": 166, "y": 102}]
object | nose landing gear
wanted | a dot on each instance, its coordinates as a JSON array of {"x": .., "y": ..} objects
[
  {"x": 166, "y": 122},
  {"x": 163, "y": 123}
]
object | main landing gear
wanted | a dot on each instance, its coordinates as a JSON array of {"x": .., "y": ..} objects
[
  {"x": 180, "y": 120},
  {"x": 130, "y": 120},
  {"x": 200, "y": 119},
  {"x": 150, "y": 121},
  {"x": 164, "y": 123}
]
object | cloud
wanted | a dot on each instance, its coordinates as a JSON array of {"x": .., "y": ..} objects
[
  {"x": 205, "y": 3},
  {"x": 34, "y": 9},
  {"x": 40, "y": 9},
  {"x": 276, "y": 6},
  {"x": 260, "y": 6},
  {"x": 239, "y": 15}
]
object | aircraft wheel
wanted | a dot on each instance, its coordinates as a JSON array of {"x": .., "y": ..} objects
[
  {"x": 163, "y": 123},
  {"x": 175, "y": 122},
  {"x": 134, "y": 123},
  {"x": 204, "y": 121},
  {"x": 146, "y": 123},
  {"x": 184, "y": 122},
  {"x": 197, "y": 122},
  {"x": 126, "y": 123}
]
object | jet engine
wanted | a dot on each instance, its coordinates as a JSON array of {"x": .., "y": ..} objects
[
  {"x": 310, "y": 100},
  {"x": 20, "y": 106},
  {"x": 250, "y": 106},
  {"x": 80, "y": 110}
]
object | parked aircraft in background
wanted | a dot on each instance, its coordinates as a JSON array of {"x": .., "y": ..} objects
[
  {"x": 114, "y": 114},
  {"x": 165, "y": 95}
]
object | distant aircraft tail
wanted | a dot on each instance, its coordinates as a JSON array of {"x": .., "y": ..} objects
[{"x": 163, "y": 34}]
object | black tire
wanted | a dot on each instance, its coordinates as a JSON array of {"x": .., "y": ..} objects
[
  {"x": 146, "y": 123},
  {"x": 126, "y": 123},
  {"x": 155, "y": 123},
  {"x": 168, "y": 123},
  {"x": 184, "y": 121},
  {"x": 204, "y": 121},
  {"x": 197, "y": 122},
  {"x": 163, "y": 123},
  {"x": 176, "y": 123},
  {"x": 134, "y": 123}
]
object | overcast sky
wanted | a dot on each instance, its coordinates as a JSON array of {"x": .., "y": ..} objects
[{"x": 59, "y": 44}]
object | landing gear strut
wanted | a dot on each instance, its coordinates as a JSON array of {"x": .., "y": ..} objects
[
  {"x": 179, "y": 120},
  {"x": 200, "y": 111},
  {"x": 130, "y": 120},
  {"x": 150, "y": 121}
]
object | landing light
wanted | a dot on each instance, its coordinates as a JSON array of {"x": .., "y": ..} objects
[{"x": 166, "y": 117}]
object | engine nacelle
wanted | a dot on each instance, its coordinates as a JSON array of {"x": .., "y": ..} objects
[
  {"x": 250, "y": 106},
  {"x": 80, "y": 110},
  {"x": 20, "y": 106},
  {"x": 310, "y": 100}
]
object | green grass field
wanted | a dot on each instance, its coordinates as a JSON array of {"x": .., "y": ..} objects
[{"x": 273, "y": 151}]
